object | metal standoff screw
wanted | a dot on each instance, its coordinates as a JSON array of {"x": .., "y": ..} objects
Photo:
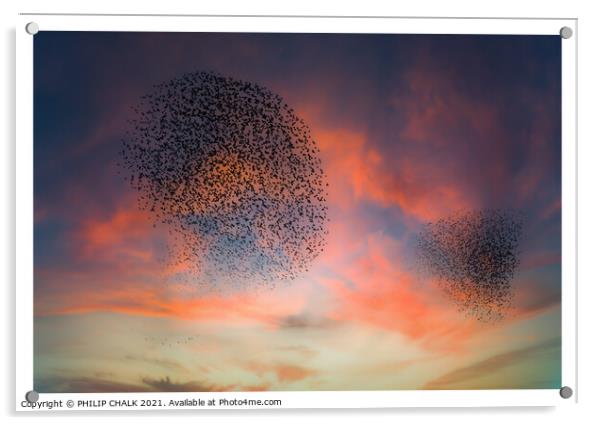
[
  {"x": 32, "y": 396},
  {"x": 566, "y": 392},
  {"x": 32, "y": 28},
  {"x": 566, "y": 32}
]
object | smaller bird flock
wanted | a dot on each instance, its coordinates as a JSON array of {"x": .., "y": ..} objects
[
  {"x": 170, "y": 342},
  {"x": 474, "y": 257},
  {"x": 233, "y": 173}
]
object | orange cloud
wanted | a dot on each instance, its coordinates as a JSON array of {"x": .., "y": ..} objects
[
  {"x": 358, "y": 172},
  {"x": 375, "y": 288},
  {"x": 291, "y": 373},
  {"x": 116, "y": 269},
  {"x": 126, "y": 232},
  {"x": 123, "y": 224},
  {"x": 167, "y": 301},
  {"x": 384, "y": 295},
  {"x": 284, "y": 372}
]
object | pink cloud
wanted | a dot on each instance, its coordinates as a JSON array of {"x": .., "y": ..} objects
[{"x": 359, "y": 172}]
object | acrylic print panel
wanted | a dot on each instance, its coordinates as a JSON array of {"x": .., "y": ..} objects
[{"x": 249, "y": 212}]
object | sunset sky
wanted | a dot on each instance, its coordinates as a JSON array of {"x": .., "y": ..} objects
[{"x": 410, "y": 128}]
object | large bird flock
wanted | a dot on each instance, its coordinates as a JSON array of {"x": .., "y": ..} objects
[
  {"x": 474, "y": 256},
  {"x": 233, "y": 173}
]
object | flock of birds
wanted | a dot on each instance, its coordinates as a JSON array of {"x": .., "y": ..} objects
[
  {"x": 473, "y": 256},
  {"x": 233, "y": 173},
  {"x": 236, "y": 177},
  {"x": 171, "y": 342}
]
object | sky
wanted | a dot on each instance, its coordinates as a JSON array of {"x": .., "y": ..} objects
[{"x": 410, "y": 129}]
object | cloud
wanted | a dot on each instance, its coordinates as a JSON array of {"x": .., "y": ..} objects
[
  {"x": 535, "y": 294},
  {"x": 304, "y": 352},
  {"x": 376, "y": 288},
  {"x": 284, "y": 372},
  {"x": 82, "y": 384},
  {"x": 358, "y": 171},
  {"x": 163, "y": 363},
  {"x": 462, "y": 378},
  {"x": 85, "y": 385},
  {"x": 383, "y": 294},
  {"x": 125, "y": 233},
  {"x": 433, "y": 143},
  {"x": 166, "y": 385},
  {"x": 537, "y": 259},
  {"x": 137, "y": 298},
  {"x": 115, "y": 266},
  {"x": 256, "y": 388},
  {"x": 304, "y": 321},
  {"x": 292, "y": 373}
]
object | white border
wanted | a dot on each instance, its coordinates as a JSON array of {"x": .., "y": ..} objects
[{"x": 296, "y": 399}]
